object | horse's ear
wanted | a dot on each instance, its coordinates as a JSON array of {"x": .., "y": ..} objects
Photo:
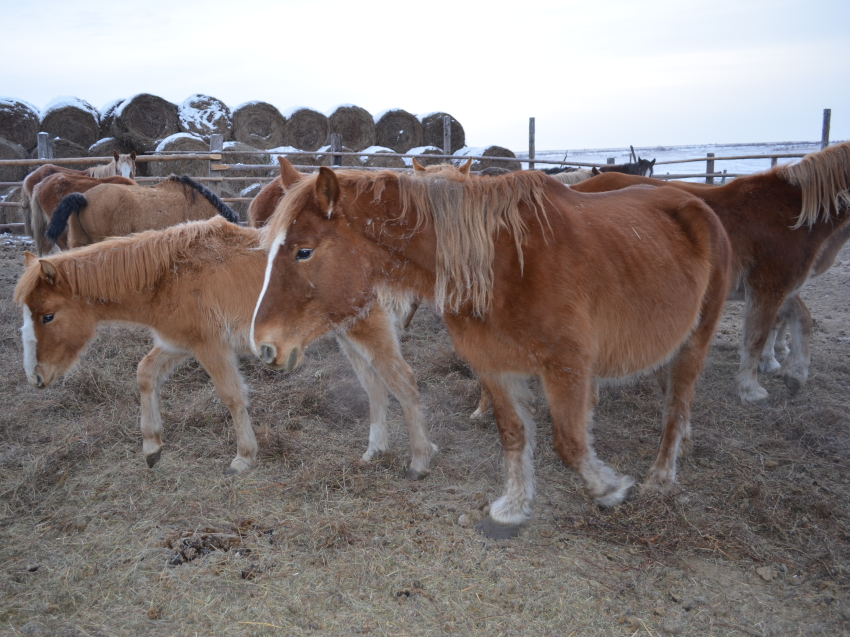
[
  {"x": 594, "y": 171},
  {"x": 115, "y": 155},
  {"x": 327, "y": 190},
  {"x": 48, "y": 271},
  {"x": 417, "y": 167},
  {"x": 288, "y": 175},
  {"x": 133, "y": 155},
  {"x": 464, "y": 170},
  {"x": 29, "y": 259},
  {"x": 652, "y": 164}
]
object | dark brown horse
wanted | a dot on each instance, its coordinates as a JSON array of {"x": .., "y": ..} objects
[
  {"x": 531, "y": 277},
  {"x": 782, "y": 223}
]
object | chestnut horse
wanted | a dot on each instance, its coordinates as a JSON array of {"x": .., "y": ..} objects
[
  {"x": 195, "y": 286},
  {"x": 263, "y": 205},
  {"x": 531, "y": 279},
  {"x": 111, "y": 210},
  {"x": 780, "y": 222},
  {"x": 123, "y": 165},
  {"x": 49, "y": 192}
]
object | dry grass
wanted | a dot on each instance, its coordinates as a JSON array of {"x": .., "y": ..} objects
[{"x": 314, "y": 542}]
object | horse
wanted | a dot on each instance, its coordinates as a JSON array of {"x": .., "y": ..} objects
[
  {"x": 110, "y": 210},
  {"x": 262, "y": 206},
  {"x": 123, "y": 165},
  {"x": 49, "y": 192},
  {"x": 530, "y": 277},
  {"x": 194, "y": 286},
  {"x": 784, "y": 224}
]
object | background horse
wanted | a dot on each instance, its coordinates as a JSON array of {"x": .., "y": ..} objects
[
  {"x": 779, "y": 222},
  {"x": 123, "y": 165},
  {"x": 111, "y": 210},
  {"x": 195, "y": 286},
  {"x": 262, "y": 206},
  {"x": 531, "y": 279},
  {"x": 49, "y": 192}
]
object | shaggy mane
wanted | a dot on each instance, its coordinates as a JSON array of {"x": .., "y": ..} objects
[
  {"x": 466, "y": 216},
  {"x": 824, "y": 178},
  {"x": 108, "y": 270}
]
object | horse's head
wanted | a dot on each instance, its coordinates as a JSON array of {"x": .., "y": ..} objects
[
  {"x": 448, "y": 171},
  {"x": 318, "y": 273},
  {"x": 56, "y": 327},
  {"x": 125, "y": 165},
  {"x": 645, "y": 167}
]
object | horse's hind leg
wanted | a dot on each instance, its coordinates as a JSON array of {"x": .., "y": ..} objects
[
  {"x": 776, "y": 335},
  {"x": 795, "y": 367},
  {"x": 152, "y": 372},
  {"x": 483, "y": 404},
  {"x": 759, "y": 313},
  {"x": 221, "y": 364},
  {"x": 376, "y": 341}
]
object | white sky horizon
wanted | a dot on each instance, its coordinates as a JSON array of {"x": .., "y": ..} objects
[{"x": 594, "y": 74}]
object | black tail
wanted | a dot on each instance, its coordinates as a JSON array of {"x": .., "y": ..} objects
[
  {"x": 223, "y": 209},
  {"x": 72, "y": 203}
]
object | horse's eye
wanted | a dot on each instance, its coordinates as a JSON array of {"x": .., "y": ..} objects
[
  {"x": 303, "y": 254},
  {"x": 47, "y": 318}
]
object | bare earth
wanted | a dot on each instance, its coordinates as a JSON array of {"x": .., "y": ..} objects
[{"x": 312, "y": 542}]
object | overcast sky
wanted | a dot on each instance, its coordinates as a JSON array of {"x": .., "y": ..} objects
[{"x": 594, "y": 73}]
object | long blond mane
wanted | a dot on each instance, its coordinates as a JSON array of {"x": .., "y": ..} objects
[
  {"x": 110, "y": 270},
  {"x": 824, "y": 178},
  {"x": 466, "y": 216}
]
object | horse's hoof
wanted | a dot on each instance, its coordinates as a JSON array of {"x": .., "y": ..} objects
[
  {"x": 793, "y": 384},
  {"x": 619, "y": 493},
  {"x": 230, "y": 471},
  {"x": 495, "y": 531},
  {"x": 153, "y": 458},
  {"x": 414, "y": 475}
]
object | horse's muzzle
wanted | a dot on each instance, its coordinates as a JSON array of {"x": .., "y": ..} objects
[{"x": 268, "y": 354}]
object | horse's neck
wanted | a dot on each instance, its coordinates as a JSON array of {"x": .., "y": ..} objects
[{"x": 104, "y": 170}]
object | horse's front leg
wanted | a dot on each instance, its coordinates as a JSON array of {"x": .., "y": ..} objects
[
  {"x": 221, "y": 363},
  {"x": 152, "y": 372}
]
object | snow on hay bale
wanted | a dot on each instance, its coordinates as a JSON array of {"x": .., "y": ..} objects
[
  {"x": 307, "y": 129},
  {"x": 19, "y": 122},
  {"x": 349, "y": 161},
  {"x": 381, "y": 162},
  {"x": 11, "y": 150},
  {"x": 183, "y": 143},
  {"x": 143, "y": 120},
  {"x": 423, "y": 159},
  {"x": 107, "y": 116},
  {"x": 71, "y": 119},
  {"x": 258, "y": 124},
  {"x": 432, "y": 131},
  {"x": 489, "y": 151},
  {"x": 104, "y": 147},
  {"x": 203, "y": 116},
  {"x": 355, "y": 124},
  {"x": 397, "y": 129}
]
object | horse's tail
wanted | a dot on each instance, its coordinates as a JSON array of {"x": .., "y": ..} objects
[
  {"x": 223, "y": 209},
  {"x": 72, "y": 203},
  {"x": 35, "y": 219}
]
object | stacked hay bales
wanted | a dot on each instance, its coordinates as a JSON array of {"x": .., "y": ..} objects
[
  {"x": 348, "y": 161},
  {"x": 203, "y": 115},
  {"x": 423, "y": 158},
  {"x": 432, "y": 131},
  {"x": 489, "y": 151},
  {"x": 354, "y": 124},
  {"x": 144, "y": 120},
  {"x": 106, "y": 146},
  {"x": 182, "y": 143},
  {"x": 397, "y": 129},
  {"x": 11, "y": 150},
  {"x": 19, "y": 122},
  {"x": 382, "y": 162},
  {"x": 71, "y": 119},
  {"x": 107, "y": 116},
  {"x": 307, "y": 129},
  {"x": 258, "y": 124}
]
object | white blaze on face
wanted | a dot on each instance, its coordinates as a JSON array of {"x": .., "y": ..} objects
[
  {"x": 278, "y": 241},
  {"x": 126, "y": 169},
  {"x": 30, "y": 343}
]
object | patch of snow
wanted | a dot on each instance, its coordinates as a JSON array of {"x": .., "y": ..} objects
[
  {"x": 69, "y": 100},
  {"x": 204, "y": 120},
  {"x": 421, "y": 117},
  {"x": 249, "y": 103},
  {"x": 339, "y": 106},
  {"x": 161, "y": 146},
  {"x": 289, "y": 112},
  {"x": 408, "y": 161},
  {"x": 375, "y": 149},
  {"x": 105, "y": 108},
  {"x": 377, "y": 117},
  {"x": 11, "y": 101}
]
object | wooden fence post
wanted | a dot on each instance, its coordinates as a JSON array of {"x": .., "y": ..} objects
[
  {"x": 611, "y": 160},
  {"x": 45, "y": 146},
  {"x": 447, "y": 135},
  {"x": 336, "y": 146},
  {"x": 531, "y": 143},
  {"x": 709, "y": 168},
  {"x": 216, "y": 146},
  {"x": 773, "y": 161},
  {"x": 824, "y": 139}
]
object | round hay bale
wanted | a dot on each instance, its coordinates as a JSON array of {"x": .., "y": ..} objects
[
  {"x": 258, "y": 124},
  {"x": 423, "y": 159},
  {"x": 381, "y": 162},
  {"x": 432, "y": 131},
  {"x": 71, "y": 119},
  {"x": 11, "y": 150},
  {"x": 293, "y": 156},
  {"x": 107, "y": 116},
  {"x": 19, "y": 122},
  {"x": 239, "y": 153},
  {"x": 143, "y": 120},
  {"x": 203, "y": 116},
  {"x": 397, "y": 129},
  {"x": 307, "y": 129},
  {"x": 355, "y": 124},
  {"x": 105, "y": 147},
  {"x": 184, "y": 143},
  {"x": 489, "y": 151},
  {"x": 348, "y": 161},
  {"x": 62, "y": 149}
]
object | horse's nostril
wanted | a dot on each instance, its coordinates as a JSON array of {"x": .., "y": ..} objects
[{"x": 268, "y": 354}]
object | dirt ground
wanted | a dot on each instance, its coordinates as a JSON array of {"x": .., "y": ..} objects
[{"x": 313, "y": 542}]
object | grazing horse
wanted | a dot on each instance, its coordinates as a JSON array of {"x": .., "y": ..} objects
[
  {"x": 263, "y": 205},
  {"x": 531, "y": 278},
  {"x": 783, "y": 224},
  {"x": 123, "y": 165},
  {"x": 195, "y": 286},
  {"x": 111, "y": 210},
  {"x": 48, "y": 193}
]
